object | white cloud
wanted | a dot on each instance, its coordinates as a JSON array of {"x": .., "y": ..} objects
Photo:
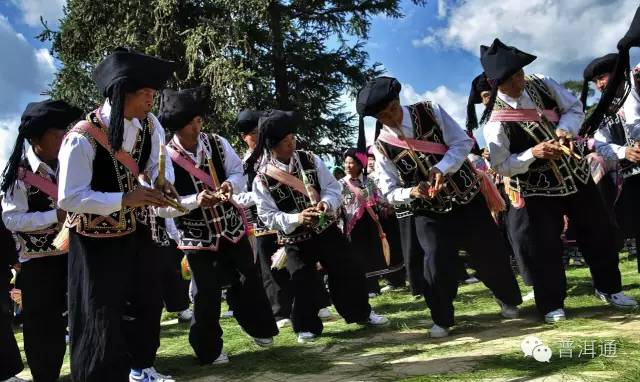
[
  {"x": 452, "y": 102},
  {"x": 563, "y": 34},
  {"x": 25, "y": 73},
  {"x": 8, "y": 134},
  {"x": 442, "y": 9},
  {"x": 32, "y": 10}
]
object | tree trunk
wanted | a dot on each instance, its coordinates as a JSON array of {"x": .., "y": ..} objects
[{"x": 277, "y": 56}]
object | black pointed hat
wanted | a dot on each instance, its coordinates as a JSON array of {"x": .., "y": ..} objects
[{"x": 179, "y": 107}]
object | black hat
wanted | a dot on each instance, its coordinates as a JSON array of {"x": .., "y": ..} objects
[
  {"x": 478, "y": 85},
  {"x": 619, "y": 84},
  {"x": 128, "y": 65},
  {"x": 123, "y": 71},
  {"x": 500, "y": 61},
  {"x": 600, "y": 65},
  {"x": 274, "y": 126},
  {"x": 36, "y": 119},
  {"x": 372, "y": 99},
  {"x": 40, "y": 116},
  {"x": 179, "y": 107},
  {"x": 247, "y": 120}
]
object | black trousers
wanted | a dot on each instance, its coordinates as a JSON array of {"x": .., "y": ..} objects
[
  {"x": 412, "y": 254},
  {"x": 43, "y": 283},
  {"x": 542, "y": 223},
  {"x": 390, "y": 226},
  {"x": 627, "y": 211},
  {"x": 213, "y": 270},
  {"x": 441, "y": 236},
  {"x": 347, "y": 282},
  {"x": 114, "y": 305},
  {"x": 517, "y": 233},
  {"x": 10, "y": 360},
  {"x": 175, "y": 290}
]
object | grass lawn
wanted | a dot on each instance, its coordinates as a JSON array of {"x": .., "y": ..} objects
[{"x": 482, "y": 346}]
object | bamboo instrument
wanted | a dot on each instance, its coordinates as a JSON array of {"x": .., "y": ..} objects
[{"x": 160, "y": 181}]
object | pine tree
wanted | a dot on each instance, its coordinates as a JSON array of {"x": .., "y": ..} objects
[{"x": 295, "y": 55}]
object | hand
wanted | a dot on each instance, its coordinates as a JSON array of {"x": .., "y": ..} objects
[
  {"x": 419, "y": 191},
  {"x": 226, "y": 190},
  {"x": 632, "y": 154},
  {"x": 323, "y": 207},
  {"x": 143, "y": 196},
  {"x": 436, "y": 180},
  {"x": 308, "y": 216},
  {"x": 563, "y": 134},
  {"x": 62, "y": 215},
  {"x": 547, "y": 150},
  {"x": 207, "y": 198},
  {"x": 168, "y": 189}
]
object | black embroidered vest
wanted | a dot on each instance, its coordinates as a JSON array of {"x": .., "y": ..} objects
[
  {"x": 203, "y": 228},
  {"x": 291, "y": 201},
  {"x": 616, "y": 124},
  {"x": 158, "y": 229},
  {"x": 259, "y": 228},
  {"x": 545, "y": 177},
  {"x": 109, "y": 175},
  {"x": 459, "y": 188},
  {"x": 38, "y": 243}
]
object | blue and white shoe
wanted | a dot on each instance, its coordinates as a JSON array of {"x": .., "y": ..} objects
[{"x": 149, "y": 375}]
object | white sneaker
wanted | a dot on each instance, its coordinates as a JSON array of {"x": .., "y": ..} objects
[
  {"x": 438, "y": 331},
  {"x": 372, "y": 295},
  {"x": 529, "y": 296},
  {"x": 15, "y": 379},
  {"x": 282, "y": 323},
  {"x": 149, "y": 374},
  {"x": 222, "y": 359},
  {"x": 306, "y": 337},
  {"x": 324, "y": 313},
  {"x": 227, "y": 314},
  {"x": 555, "y": 316},
  {"x": 263, "y": 342},
  {"x": 472, "y": 280},
  {"x": 185, "y": 316},
  {"x": 376, "y": 319},
  {"x": 618, "y": 300},
  {"x": 508, "y": 311}
]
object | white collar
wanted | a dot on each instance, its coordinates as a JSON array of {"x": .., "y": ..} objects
[
  {"x": 513, "y": 101},
  {"x": 35, "y": 163},
  {"x": 105, "y": 114}
]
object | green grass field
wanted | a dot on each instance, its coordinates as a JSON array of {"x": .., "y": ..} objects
[{"x": 482, "y": 346}]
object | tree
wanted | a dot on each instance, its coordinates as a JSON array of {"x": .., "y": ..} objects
[{"x": 295, "y": 55}]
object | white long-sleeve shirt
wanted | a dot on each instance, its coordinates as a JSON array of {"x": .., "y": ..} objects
[
  {"x": 455, "y": 138},
  {"x": 15, "y": 203},
  {"x": 631, "y": 116},
  {"x": 272, "y": 217},
  {"x": 502, "y": 159},
  {"x": 76, "y": 167},
  {"x": 244, "y": 197},
  {"x": 232, "y": 167}
]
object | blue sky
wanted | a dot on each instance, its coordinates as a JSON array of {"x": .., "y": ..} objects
[{"x": 433, "y": 51}]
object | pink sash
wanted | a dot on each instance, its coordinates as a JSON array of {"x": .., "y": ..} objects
[
  {"x": 205, "y": 178},
  {"x": 42, "y": 184},
  {"x": 290, "y": 180},
  {"x": 190, "y": 167},
  {"x": 522, "y": 115},
  {"x": 413, "y": 144},
  {"x": 99, "y": 135}
]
